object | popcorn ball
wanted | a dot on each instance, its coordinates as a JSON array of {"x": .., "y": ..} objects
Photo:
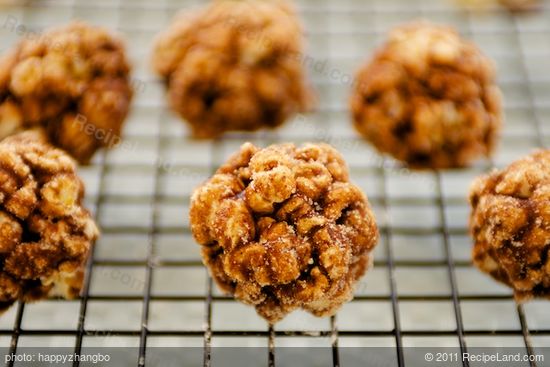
[
  {"x": 282, "y": 228},
  {"x": 510, "y": 224},
  {"x": 428, "y": 98},
  {"x": 234, "y": 65},
  {"x": 70, "y": 81},
  {"x": 45, "y": 233}
]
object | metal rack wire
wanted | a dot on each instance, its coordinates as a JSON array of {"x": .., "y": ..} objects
[{"x": 146, "y": 269}]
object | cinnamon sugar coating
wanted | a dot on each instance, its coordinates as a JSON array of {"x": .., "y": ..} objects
[
  {"x": 510, "y": 224},
  {"x": 72, "y": 82},
  {"x": 234, "y": 65},
  {"x": 428, "y": 98},
  {"x": 282, "y": 228},
  {"x": 45, "y": 233}
]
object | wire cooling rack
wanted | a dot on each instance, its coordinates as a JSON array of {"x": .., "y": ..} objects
[{"x": 146, "y": 286}]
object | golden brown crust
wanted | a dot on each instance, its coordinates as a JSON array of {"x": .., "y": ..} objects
[
  {"x": 428, "y": 98},
  {"x": 73, "y": 82},
  {"x": 234, "y": 65},
  {"x": 511, "y": 5},
  {"x": 520, "y": 5},
  {"x": 45, "y": 233},
  {"x": 510, "y": 224},
  {"x": 282, "y": 228}
]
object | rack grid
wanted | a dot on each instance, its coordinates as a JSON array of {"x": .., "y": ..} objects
[{"x": 146, "y": 286}]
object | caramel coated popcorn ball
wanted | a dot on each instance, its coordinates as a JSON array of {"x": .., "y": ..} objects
[
  {"x": 428, "y": 98},
  {"x": 282, "y": 228},
  {"x": 234, "y": 65},
  {"x": 510, "y": 224},
  {"x": 45, "y": 233},
  {"x": 72, "y": 82}
]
